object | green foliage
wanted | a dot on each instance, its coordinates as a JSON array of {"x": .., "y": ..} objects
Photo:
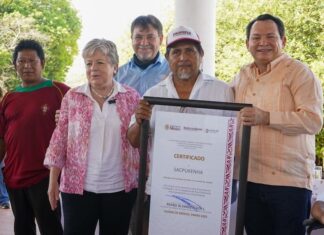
[
  {"x": 13, "y": 27},
  {"x": 320, "y": 145},
  {"x": 304, "y": 30},
  {"x": 124, "y": 46},
  {"x": 52, "y": 22}
]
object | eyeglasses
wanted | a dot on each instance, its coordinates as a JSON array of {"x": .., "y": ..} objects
[
  {"x": 23, "y": 62},
  {"x": 140, "y": 38}
]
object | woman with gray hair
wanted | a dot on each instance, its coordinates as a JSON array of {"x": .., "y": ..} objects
[{"x": 89, "y": 149}]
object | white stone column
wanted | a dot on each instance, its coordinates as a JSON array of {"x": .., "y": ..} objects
[{"x": 201, "y": 16}]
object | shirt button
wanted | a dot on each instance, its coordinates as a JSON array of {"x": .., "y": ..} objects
[
  {"x": 273, "y": 172},
  {"x": 253, "y": 94},
  {"x": 258, "y": 79},
  {"x": 308, "y": 176}
]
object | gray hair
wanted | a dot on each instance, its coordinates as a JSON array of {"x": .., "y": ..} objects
[{"x": 107, "y": 47}]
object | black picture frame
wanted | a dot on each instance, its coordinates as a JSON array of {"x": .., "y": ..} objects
[{"x": 244, "y": 163}]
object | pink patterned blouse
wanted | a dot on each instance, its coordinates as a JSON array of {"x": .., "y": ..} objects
[{"x": 69, "y": 143}]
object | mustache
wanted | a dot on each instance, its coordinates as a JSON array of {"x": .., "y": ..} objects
[
  {"x": 184, "y": 64},
  {"x": 145, "y": 47},
  {"x": 264, "y": 48}
]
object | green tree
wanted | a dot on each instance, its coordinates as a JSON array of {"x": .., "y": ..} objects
[
  {"x": 304, "y": 29},
  {"x": 52, "y": 22}
]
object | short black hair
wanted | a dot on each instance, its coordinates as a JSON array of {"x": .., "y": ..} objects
[
  {"x": 28, "y": 44},
  {"x": 264, "y": 17},
  {"x": 145, "y": 22}
]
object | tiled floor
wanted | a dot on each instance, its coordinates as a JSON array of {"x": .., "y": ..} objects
[
  {"x": 7, "y": 219},
  {"x": 6, "y": 222}
]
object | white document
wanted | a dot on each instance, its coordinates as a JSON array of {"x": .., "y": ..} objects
[{"x": 192, "y": 174}]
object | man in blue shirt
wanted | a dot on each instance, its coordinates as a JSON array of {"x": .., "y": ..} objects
[
  {"x": 4, "y": 198},
  {"x": 148, "y": 66}
]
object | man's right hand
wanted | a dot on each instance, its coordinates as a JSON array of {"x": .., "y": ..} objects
[{"x": 143, "y": 111}]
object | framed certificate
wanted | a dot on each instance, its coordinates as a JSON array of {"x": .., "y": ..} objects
[
  {"x": 191, "y": 174},
  {"x": 192, "y": 179}
]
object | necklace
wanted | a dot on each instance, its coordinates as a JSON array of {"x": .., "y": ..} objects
[{"x": 103, "y": 96}]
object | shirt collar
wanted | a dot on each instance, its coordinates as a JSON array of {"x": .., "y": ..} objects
[
  {"x": 45, "y": 83},
  {"x": 159, "y": 60},
  {"x": 273, "y": 64},
  {"x": 85, "y": 89},
  {"x": 277, "y": 61},
  {"x": 168, "y": 82}
]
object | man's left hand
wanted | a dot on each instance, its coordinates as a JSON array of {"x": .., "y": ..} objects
[{"x": 253, "y": 116}]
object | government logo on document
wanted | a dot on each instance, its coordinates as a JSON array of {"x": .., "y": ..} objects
[
  {"x": 214, "y": 131},
  {"x": 172, "y": 127}
]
